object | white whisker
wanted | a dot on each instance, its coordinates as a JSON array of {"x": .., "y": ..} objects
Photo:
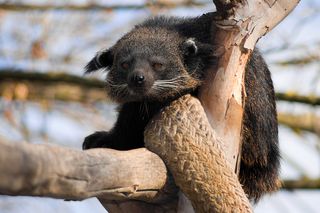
[{"x": 118, "y": 89}]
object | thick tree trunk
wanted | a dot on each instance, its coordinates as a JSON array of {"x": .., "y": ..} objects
[
  {"x": 240, "y": 25},
  {"x": 182, "y": 136}
]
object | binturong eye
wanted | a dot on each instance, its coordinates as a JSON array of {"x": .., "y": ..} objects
[
  {"x": 157, "y": 66},
  {"x": 125, "y": 65}
]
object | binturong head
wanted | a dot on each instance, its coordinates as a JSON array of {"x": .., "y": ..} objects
[{"x": 152, "y": 64}]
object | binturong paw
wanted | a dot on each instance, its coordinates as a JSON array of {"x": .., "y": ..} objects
[{"x": 97, "y": 140}]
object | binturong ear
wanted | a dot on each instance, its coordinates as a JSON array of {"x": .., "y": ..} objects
[
  {"x": 103, "y": 59},
  {"x": 191, "y": 47}
]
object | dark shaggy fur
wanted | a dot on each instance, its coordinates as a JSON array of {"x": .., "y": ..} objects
[{"x": 165, "y": 58}]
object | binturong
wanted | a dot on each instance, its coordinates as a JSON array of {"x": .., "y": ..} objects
[{"x": 164, "y": 58}]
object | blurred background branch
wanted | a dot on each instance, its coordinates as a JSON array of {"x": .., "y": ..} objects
[
  {"x": 90, "y": 85},
  {"x": 303, "y": 183},
  {"x": 304, "y": 122},
  {"x": 97, "y": 6}
]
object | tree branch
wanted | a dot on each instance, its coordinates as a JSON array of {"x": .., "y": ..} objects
[
  {"x": 101, "y": 7},
  {"x": 306, "y": 122},
  {"x": 67, "y": 87},
  {"x": 42, "y": 170},
  {"x": 53, "y": 171},
  {"x": 48, "y": 77},
  {"x": 302, "y": 60},
  {"x": 294, "y": 97},
  {"x": 239, "y": 25},
  {"x": 182, "y": 136},
  {"x": 50, "y": 86},
  {"x": 304, "y": 183}
]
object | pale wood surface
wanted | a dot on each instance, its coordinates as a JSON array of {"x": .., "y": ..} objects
[
  {"x": 240, "y": 25},
  {"x": 53, "y": 171}
]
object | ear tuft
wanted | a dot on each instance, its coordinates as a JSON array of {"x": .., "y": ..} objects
[
  {"x": 190, "y": 47},
  {"x": 103, "y": 59}
]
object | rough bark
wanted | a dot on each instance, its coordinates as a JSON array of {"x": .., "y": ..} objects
[{"x": 182, "y": 136}]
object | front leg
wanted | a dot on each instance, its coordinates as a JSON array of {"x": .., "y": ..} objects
[
  {"x": 100, "y": 139},
  {"x": 127, "y": 132},
  {"x": 117, "y": 138}
]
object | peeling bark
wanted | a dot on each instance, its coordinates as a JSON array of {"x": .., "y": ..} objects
[{"x": 240, "y": 25}]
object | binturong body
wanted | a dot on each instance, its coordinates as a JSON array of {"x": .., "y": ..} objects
[{"x": 164, "y": 58}]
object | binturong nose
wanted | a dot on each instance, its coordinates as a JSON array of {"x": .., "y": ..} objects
[{"x": 137, "y": 79}]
